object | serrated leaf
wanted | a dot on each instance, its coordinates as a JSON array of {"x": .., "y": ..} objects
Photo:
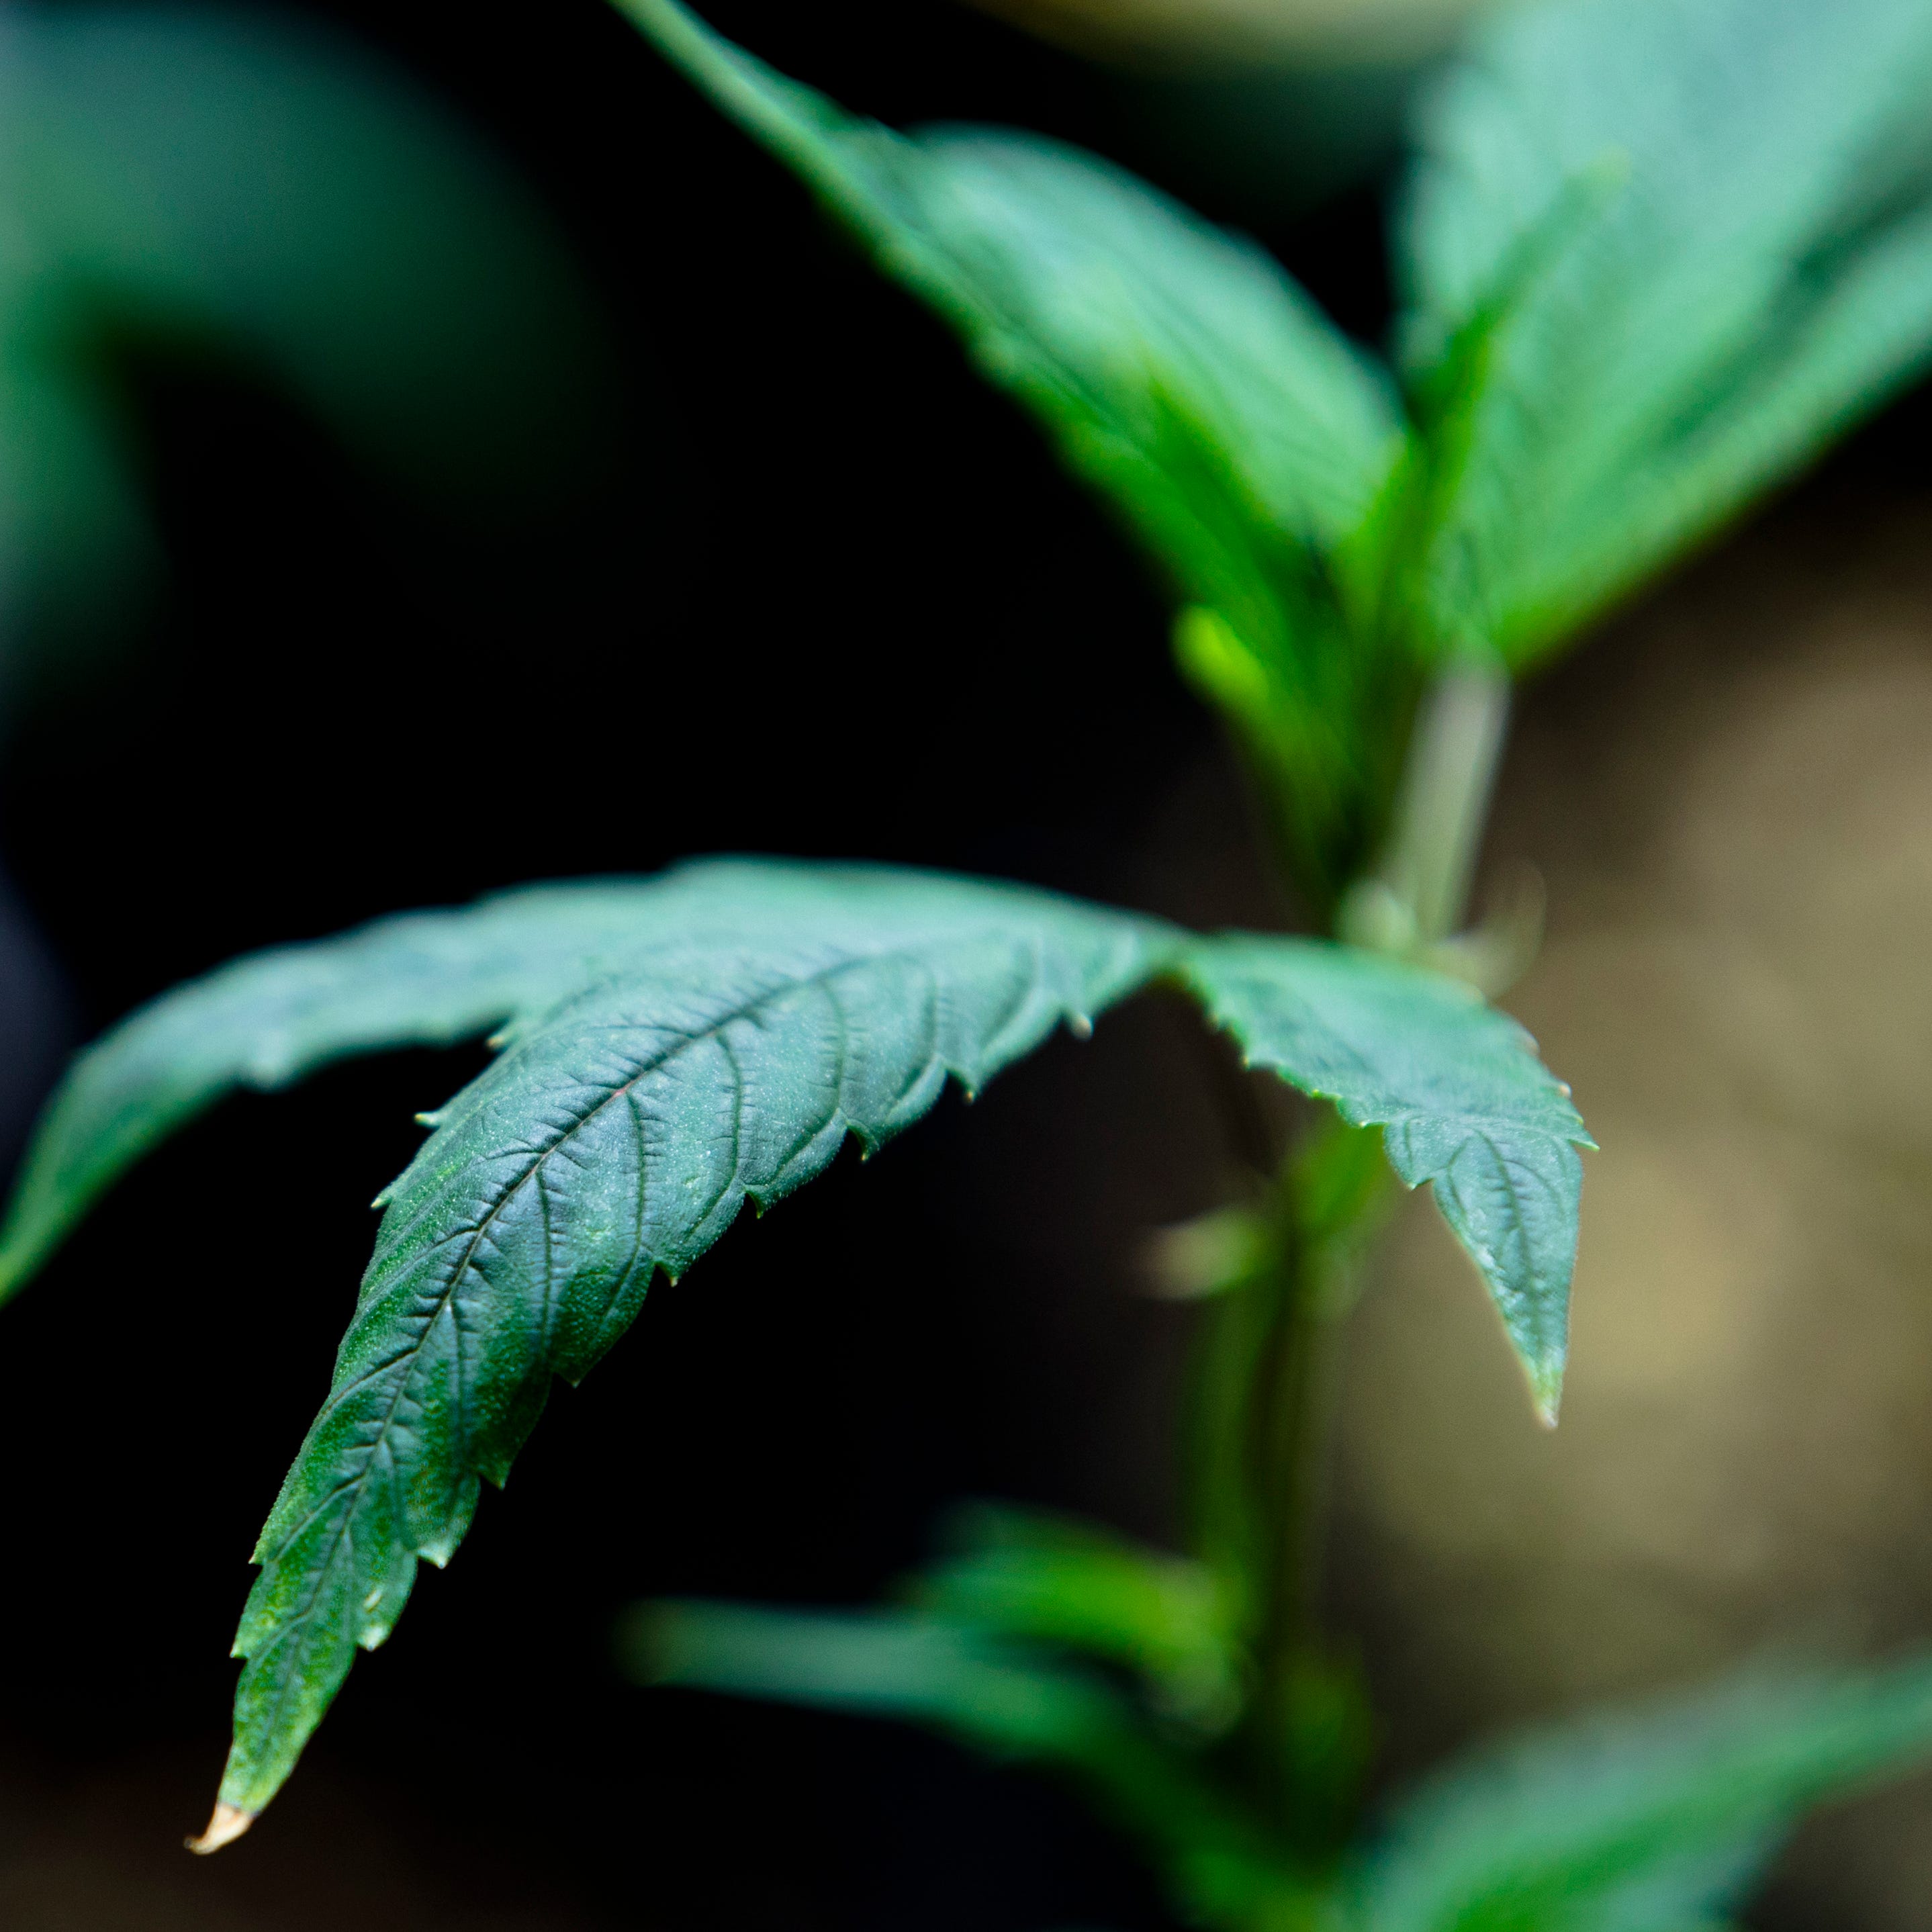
[
  {"x": 617, "y": 1137},
  {"x": 267, "y": 1020},
  {"x": 1457, "y": 1088},
  {"x": 1181, "y": 372},
  {"x": 1657, "y": 253},
  {"x": 675, "y": 1047},
  {"x": 1655, "y": 1820}
]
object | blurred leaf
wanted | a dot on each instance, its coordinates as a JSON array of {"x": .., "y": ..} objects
[
  {"x": 1118, "y": 315},
  {"x": 1181, "y": 373},
  {"x": 1214, "y": 1253},
  {"x": 679, "y": 1045},
  {"x": 1657, "y": 1819},
  {"x": 1658, "y": 253},
  {"x": 1000, "y": 1698},
  {"x": 1319, "y": 1729},
  {"x": 258, "y": 188},
  {"x": 1059, "y": 1580},
  {"x": 1464, "y": 1102}
]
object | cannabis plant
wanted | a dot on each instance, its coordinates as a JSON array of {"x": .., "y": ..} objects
[{"x": 1654, "y": 255}]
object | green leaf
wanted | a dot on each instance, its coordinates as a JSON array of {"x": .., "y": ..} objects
[
  {"x": 1657, "y": 253},
  {"x": 1077, "y": 1587},
  {"x": 1058, "y": 1580},
  {"x": 1000, "y": 1696},
  {"x": 1004, "y": 1699},
  {"x": 1657, "y": 1819},
  {"x": 267, "y": 1020},
  {"x": 268, "y": 192},
  {"x": 1114, "y": 312},
  {"x": 1456, "y": 1087},
  {"x": 762, "y": 1015},
  {"x": 1182, "y": 374},
  {"x": 677, "y": 1046}
]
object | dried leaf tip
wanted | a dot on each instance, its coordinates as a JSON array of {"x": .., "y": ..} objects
[
  {"x": 1080, "y": 1026},
  {"x": 1546, "y": 1392},
  {"x": 223, "y": 1828}
]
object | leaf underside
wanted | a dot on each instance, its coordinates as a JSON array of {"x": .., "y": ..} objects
[{"x": 677, "y": 1046}]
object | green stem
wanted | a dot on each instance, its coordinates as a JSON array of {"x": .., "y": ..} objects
[
  {"x": 1265, "y": 1385},
  {"x": 1335, "y": 1190},
  {"x": 1420, "y": 893}
]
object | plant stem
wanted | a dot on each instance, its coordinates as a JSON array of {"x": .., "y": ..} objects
[
  {"x": 1265, "y": 1394},
  {"x": 1334, "y": 1190},
  {"x": 1443, "y": 803}
]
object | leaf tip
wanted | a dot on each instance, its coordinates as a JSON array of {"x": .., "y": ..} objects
[
  {"x": 1080, "y": 1025},
  {"x": 1546, "y": 1391},
  {"x": 227, "y": 1825}
]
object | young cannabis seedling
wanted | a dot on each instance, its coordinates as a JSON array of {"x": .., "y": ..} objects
[
  {"x": 1655, "y": 254},
  {"x": 672, "y": 1049}
]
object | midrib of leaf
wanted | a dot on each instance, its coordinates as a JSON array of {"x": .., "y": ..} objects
[
  {"x": 748, "y": 1010},
  {"x": 243, "y": 1786}
]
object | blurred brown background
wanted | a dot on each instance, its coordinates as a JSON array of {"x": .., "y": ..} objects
[{"x": 1731, "y": 797}]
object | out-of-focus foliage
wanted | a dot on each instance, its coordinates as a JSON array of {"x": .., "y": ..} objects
[
  {"x": 1659, "y": 253},
  {"x": 1184, "y": 374},
  {"x": 1014, "y": 1702},
  {"x": 1653, "y": 1820},
  {"x": 1058, "y": 1579},
  {"x": 221, "y": 186},
  {"x": 1658, "y": 1819}
]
